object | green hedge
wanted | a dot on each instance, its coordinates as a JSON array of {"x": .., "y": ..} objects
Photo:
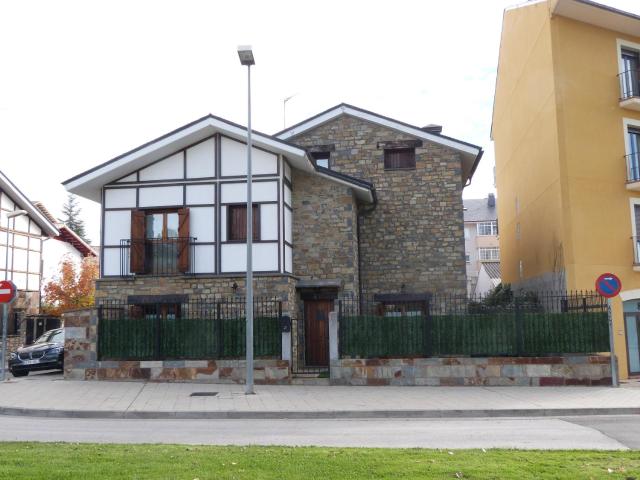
[
  {"x": 160, "y": 339},
  {"x": 478, "y": 334}
]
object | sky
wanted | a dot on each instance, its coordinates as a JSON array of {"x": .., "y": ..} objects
[{"x": 82, "y": 82}]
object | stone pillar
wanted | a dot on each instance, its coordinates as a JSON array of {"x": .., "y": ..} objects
[{"x": 80, "y": 344}]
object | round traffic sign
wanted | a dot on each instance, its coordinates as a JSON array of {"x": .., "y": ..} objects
[
  {"x": 608, "y": 285},
  {"x": 7, "y": 291}
]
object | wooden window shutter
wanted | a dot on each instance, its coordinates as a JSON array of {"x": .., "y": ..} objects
[
  {"x": 237, "y": 223},
  {"x": 136, "y": 252},
  {"x": 256, "y": 222},
  {"x": 399, "y": 158},
  {"x": 184, "y": 240}
]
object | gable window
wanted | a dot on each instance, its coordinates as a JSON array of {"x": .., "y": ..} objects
[
  {"x": 237, "y": 223},
  {"x": 399, "y": 158},
  {"x": 160, "y": 241},
  {"x": 321, "y": 159},
  {"x": 630, "y": 61},
  {"x": 487, "y": 228},
  {"x": 489, "y": 254}
]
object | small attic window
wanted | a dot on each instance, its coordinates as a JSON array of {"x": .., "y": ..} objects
[
  {"x": 399, "y": 158},
  {"x": 321, "y": 159}
]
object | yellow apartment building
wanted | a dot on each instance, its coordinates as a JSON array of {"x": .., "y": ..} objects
[{"x": 566, "y": 127}]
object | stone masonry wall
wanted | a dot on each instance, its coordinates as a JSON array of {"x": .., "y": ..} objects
[
  {"x": 81, "y": 362},
  {"x": 457, "y": 371},
  {"x": 414, "y": 238},
  {"x": 324, "y": 231}
]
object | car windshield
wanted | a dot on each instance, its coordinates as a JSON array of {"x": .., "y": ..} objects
[{"x": 53, "y": 337}]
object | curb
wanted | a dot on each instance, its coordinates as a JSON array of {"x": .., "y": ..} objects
[{"x": 319, "y": 415}]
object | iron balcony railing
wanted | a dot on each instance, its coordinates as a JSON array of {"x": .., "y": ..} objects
[
  {"x": 157, "y": 257},
  {"x": 629, "y": 84},
  {"x": 636, "y": 250},
  {"x": 633, "y": 167}
]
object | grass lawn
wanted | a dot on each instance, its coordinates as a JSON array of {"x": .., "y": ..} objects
[{"x": 90, "y": 461}]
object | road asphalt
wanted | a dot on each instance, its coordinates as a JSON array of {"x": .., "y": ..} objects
[{"x": 594, "y": 432}]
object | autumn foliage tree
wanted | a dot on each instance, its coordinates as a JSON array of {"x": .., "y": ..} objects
[{"x": 72, "y": 288}]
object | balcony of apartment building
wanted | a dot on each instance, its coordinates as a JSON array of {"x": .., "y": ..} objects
[{"x": 630, "y": 89}]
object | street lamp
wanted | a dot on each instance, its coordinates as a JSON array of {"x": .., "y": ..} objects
[
  {"x": 246, "y": 58},
  {"x": 5, "y": 306}
]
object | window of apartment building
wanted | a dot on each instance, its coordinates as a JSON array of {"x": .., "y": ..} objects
[
  {"x": 237, "y": 223},
  {"x": 487, "y": 228},
  {"x": 520, "y": 269},
  {"x": 630, "y": 62},
  {"x": 467, "y": 258},
  {"x": 518, "y": 231},
  {"x": 491, "y": 254},
  {"x": 467, "y": 234},
  {"x": 399, "y": 158},
  {"x": 633, "y": 153},
  {"x": 321, "y": 159}
]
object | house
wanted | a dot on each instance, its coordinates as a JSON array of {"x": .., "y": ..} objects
[
  {"x": 67, "y": 244},
  {"x": 26, "y": 233},
  {"x": 347, "y": 203},
  {"x": 566, "y": 125},
  {"x": 480, "y": 240}
]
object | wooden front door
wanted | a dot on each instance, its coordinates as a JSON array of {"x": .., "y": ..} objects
[{"x": 316, "y": 330}]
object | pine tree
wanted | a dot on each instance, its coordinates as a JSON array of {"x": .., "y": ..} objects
[{"x": 72, "y": 220}]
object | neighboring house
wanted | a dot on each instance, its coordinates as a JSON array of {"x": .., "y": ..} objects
[
  {"x": 566, "y": 126},
  {"x": 480, "y": 238},
  {"x": 488, "y": 278},
  {"x": 27, "y": 234},
  {"x": 67, "y": 244},
  {"x": 346, "y": 203}
]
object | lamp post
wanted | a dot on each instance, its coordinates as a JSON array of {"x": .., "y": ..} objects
[
  {"x": 5, "y": 306},
  {"x": 246, "y": 58}
]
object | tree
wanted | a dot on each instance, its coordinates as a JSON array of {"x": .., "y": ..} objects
[
  {"x": 71, "y": 289},
  {"x": 72, "y": 220}
]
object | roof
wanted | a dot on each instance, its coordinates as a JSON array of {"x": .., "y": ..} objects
[
  {"x": 492, "y": 269},
  {"x": 471, "y": 154},
  {"x": 24, "y": 203},
  {"x": 66, "y": 234},
  {"x": 477, "y": 210},
  {"x": 597, "y": 14},
  {"x": 89, "y": 184}
]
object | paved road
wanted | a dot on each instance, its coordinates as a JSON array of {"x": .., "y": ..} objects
[{"x": 606, "y": 433}]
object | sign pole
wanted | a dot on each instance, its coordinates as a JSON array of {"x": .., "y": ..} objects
[
  {"x": 612, "y": 348},
  {"x": 3, "y": 359}
]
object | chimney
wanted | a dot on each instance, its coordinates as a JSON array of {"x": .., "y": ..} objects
[
  {"x": 433, "y": 128},
  {"x": 491, "y": 200}
]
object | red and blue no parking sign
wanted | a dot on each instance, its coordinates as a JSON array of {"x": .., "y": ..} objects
[{"x": 608, "y": 285}]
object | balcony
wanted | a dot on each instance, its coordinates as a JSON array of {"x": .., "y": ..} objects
[
  {"x": 157, "y": 257},
  {"x": 636, "y": 253},
  {"x": 630, "y": 89},
  {"x": 633, "y": 171}
]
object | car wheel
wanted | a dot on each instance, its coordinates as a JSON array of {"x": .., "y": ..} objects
[{"x": 19, "y": 373}]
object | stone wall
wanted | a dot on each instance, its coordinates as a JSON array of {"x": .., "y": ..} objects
[
  {"x": 81, "y": 362},
  {"x": 490, "y": 371},
  {"x": 324, "y": 231},
  {"x": 414, "y": 240}
]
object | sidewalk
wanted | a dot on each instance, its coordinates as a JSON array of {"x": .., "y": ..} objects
[{"x": 55, "y": 397}]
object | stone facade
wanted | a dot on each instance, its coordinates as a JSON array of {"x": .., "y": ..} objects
[
  {"x": 324, "y": 231},
  {"x": 81, "y": 362},
  {"x": 413, "y": 241},
  {"x": 457, "y": 371}
]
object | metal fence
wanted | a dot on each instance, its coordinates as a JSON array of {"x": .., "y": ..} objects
[
  {"x": 187, "y": 330},
  {"x": 528, "y": 324}
]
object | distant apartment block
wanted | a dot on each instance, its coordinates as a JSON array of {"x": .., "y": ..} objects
[{"x": 481, "y": 244}]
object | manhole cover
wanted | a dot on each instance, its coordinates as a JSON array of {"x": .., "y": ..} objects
[{"x": 203, "y": 394}]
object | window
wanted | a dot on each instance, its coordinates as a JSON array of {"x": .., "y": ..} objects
[
  {"x": 237, "y": 223},
  {"x": 518, "y": 231},
  {"x": 633, "y": 154},
  {"x": 487, "y": 228},
  {"x": 399, "y": 158},
  {"x": 520, "y": 269},
  {"x": 321, "y": 159},
  {"x": 467, "y": 258},
  {"x": 630, "y": 62},
  {"x": 491, "y": 254},
  {"x": 467, "y": 234}
]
